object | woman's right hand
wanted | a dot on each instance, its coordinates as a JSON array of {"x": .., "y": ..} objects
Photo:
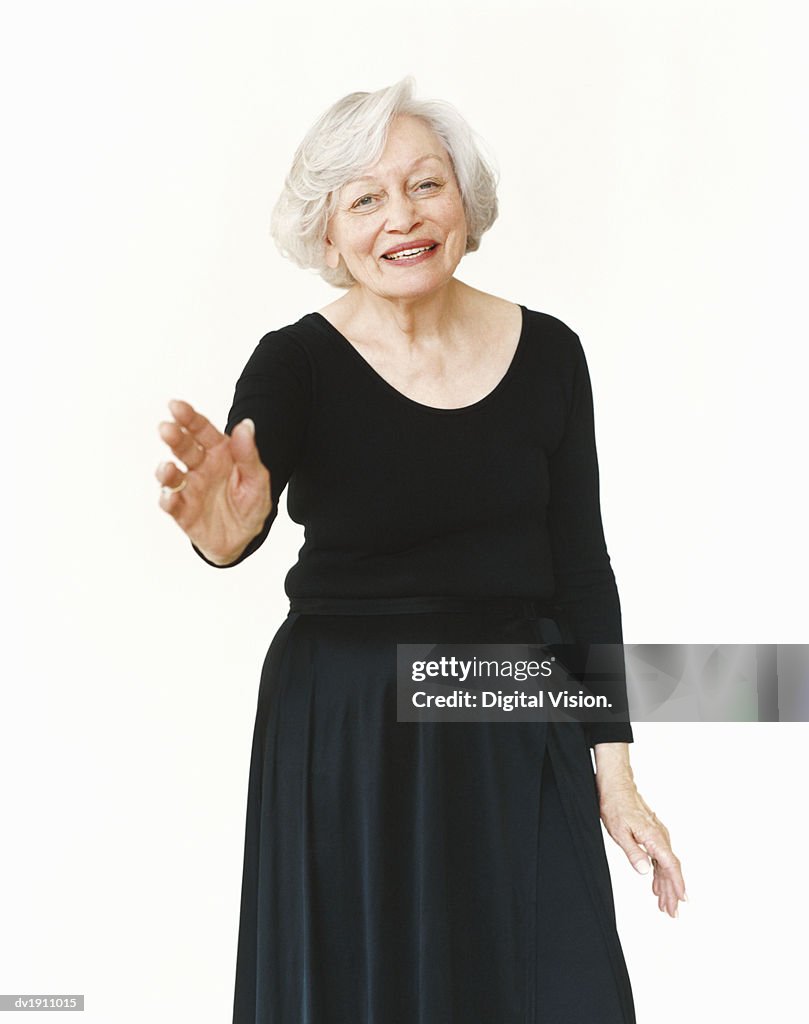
[{"x": 223, "y": 497}]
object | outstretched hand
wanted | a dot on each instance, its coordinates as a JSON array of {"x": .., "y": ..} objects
[
  {"x": 223, "y": 497},
  {"x": 643, "y": 837}
]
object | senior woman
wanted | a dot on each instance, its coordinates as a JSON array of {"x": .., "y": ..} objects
[{"x": 438, "y": 443}]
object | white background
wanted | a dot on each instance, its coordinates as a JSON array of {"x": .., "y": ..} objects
[{"x": 653, "y": 169}]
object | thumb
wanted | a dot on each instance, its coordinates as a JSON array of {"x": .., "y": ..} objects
[
  {"x": 637, "y": 856},
  {"x": 243, "y": 447}
]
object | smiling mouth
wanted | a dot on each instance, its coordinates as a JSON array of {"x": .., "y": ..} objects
[{"x": 407, "y": 254}]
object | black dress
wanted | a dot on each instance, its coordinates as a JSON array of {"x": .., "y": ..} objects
[{"x": 425, "y": 872}]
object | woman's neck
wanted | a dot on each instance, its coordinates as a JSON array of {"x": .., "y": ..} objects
[{"x": 411, "y": 320}]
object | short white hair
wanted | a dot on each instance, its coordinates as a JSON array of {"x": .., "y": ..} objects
[{"x": 348, "y": 139}]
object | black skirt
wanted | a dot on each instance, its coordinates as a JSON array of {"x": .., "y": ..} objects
[{"x": 417, "y": 872}]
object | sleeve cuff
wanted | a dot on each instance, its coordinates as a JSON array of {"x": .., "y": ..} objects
[
  {"x": 253, "y": 546},
  {"x": 608, "y": 732}
]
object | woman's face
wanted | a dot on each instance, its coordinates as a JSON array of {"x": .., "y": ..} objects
[{"x": 409, "y": 197}]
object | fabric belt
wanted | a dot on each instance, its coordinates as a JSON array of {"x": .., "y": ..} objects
[{"x": 518, "y": 606}]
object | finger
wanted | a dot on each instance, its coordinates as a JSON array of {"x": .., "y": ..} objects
[
  {"x": 676, "y": 886},
  {"x": 172, "y": 502},
  {"x": 671, "y": 903},
  {"x": 662, "y": 890},
  {"x": 666, "y": 901},
  {"x": 668, "y": 867},
  {"x": 668, "y": 894},
  {"x": 182, "y": 444},
  {"x": 654, "y": 842},
  {"x": 199, "y": 426},
  {"x": 661, "y": 827},
  {"x": 170, "y": 476}
]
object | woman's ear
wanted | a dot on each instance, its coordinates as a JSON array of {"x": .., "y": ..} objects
[{"x": 332, "y": 255}]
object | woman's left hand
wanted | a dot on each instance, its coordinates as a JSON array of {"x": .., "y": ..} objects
[{"x": 643, "y": 837}]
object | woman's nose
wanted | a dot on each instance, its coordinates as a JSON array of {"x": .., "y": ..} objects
[{"x": 402, "y": 212}]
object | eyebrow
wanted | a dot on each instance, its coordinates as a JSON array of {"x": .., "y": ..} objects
[{"x": 420, "y": 160}]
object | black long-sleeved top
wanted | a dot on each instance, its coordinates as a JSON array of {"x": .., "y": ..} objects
[{"x": 498, "y": 498}]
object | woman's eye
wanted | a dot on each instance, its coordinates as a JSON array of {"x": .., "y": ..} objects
[{"x": 364, "y": 202}]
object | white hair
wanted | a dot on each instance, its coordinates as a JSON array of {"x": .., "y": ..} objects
[{"x": 348, "y": 139}]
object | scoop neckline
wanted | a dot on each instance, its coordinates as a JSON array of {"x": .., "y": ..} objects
[{"x": 496, "y": 390}]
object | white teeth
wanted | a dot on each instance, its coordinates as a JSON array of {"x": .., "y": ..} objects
[{"x": 408, "y": 252}]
